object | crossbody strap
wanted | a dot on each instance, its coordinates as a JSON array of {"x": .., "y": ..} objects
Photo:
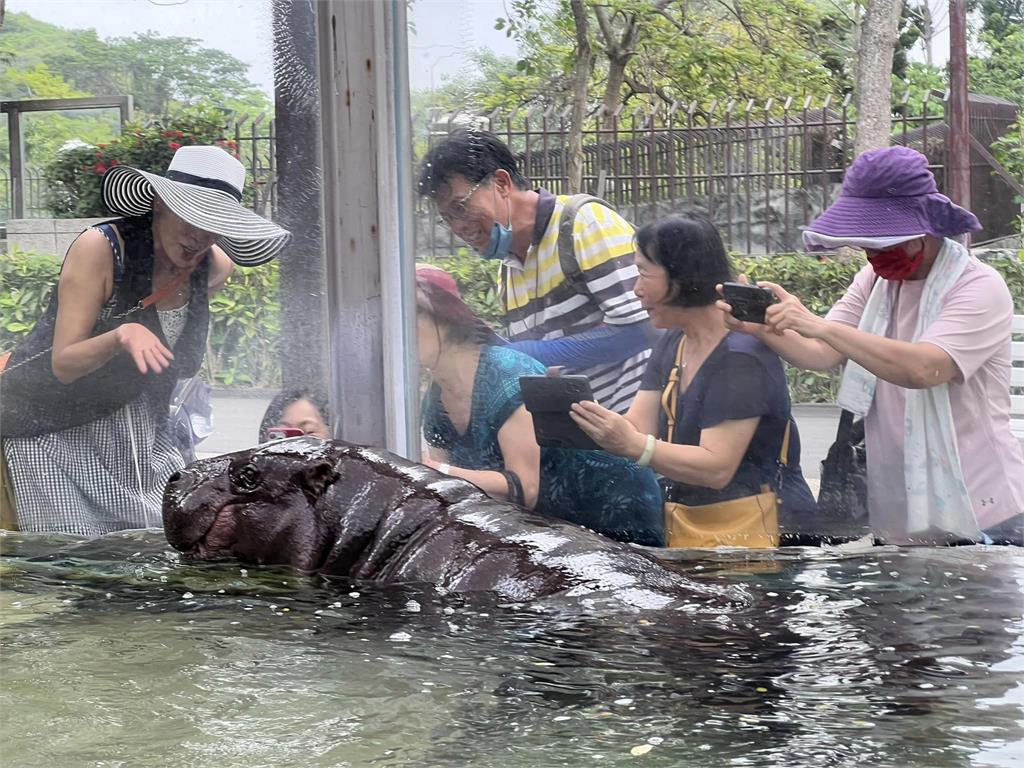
[{"x": 669, "y": 398}]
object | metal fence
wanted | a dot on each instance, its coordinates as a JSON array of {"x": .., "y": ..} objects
[
  {"x": 35, "y": 194},
  {"x": 760, "y": 171},
  {"x": 256, "y": 142}
]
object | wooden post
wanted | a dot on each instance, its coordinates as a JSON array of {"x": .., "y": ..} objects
[
  {"x": 367, "y": 208},
  {"x": 958, "y": 147}
]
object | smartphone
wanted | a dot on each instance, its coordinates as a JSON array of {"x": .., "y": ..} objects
[
  {"x": 748, "y": 302},
  {"x": 548, "y": 399},
  {"x": 279, "y": 433}
]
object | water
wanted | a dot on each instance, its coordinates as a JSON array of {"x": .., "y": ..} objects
[{"x": 117, "y": 653}]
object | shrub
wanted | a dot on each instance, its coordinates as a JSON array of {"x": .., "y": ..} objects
[
  {"x": 243, "y": 346},
  {"x": 74, "y": 176},
  {"x": 26, "y": 280}
]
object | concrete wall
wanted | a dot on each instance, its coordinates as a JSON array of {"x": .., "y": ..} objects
[{"x": 46, "y": 235}]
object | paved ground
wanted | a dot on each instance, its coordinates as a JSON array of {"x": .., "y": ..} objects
[{"x": 236, "y": 420}]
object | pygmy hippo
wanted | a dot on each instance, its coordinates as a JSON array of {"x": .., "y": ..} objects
[{"x": 338, "y": 509}]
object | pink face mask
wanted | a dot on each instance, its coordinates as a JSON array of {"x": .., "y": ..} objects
[{"x": 895, "y": 263}]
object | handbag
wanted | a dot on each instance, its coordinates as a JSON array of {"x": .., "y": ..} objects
[
  {"x": 843, "y": 492},
  {"x": 750, "y": 521}
]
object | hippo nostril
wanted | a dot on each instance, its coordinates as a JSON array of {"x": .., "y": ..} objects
[{"x": 181, "y": 481}]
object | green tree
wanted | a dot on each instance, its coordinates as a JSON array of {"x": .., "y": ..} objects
[
  {"x": 160, "y": 72},
  {"x": 1000, "y": 72}
]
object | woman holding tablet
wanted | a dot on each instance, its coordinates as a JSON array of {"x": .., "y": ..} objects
[{"x": 478, "y": 429}]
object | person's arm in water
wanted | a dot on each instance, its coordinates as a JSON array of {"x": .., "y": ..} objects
[
  {"x": 601, "y": 345},
  {"x": 522, "y": 456},
  {"x": 86, "y": 284},
  {"x": 806, "y": 340}
]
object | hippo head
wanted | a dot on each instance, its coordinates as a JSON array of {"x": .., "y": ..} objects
[{"x": 259, "y": 505}]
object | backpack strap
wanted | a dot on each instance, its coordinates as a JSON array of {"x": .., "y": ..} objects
[{"x": 566, "y": 250}]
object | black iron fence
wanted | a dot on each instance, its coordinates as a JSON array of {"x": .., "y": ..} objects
[
  {"x": 760, "y": 171},
  {"x": 255, "y": 138}
]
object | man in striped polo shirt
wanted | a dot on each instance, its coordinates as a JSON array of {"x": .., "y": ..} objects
[{"x": 590, "y": 323}]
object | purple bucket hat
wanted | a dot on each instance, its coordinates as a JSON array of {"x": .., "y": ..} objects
[{"x": 887, "y": 194}]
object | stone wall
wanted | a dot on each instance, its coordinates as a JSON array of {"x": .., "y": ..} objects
[{"x": 46, "y": 235}]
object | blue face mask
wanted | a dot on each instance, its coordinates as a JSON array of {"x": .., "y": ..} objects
[{"x": 500, "y": 243}]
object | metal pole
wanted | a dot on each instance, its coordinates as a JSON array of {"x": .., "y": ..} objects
[
  {"x": 302, "y": 284},
  {"x": 958, "y": 148},
  {"x": 17, "y": 150},
  {"x": 367, "y": 204}
]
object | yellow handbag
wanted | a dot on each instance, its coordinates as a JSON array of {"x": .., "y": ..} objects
[{"x": 750, "y": 521}]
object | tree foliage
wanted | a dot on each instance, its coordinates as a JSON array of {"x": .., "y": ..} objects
[
  {"x": 160, "y": 72},
  {"x": 163, "y": 74},
  {"x": 669, "y": 51}
]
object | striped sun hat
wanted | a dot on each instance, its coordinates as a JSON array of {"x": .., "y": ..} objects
[{"x": 202, "y": 186}]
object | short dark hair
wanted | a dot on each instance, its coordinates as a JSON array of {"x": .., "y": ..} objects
[
  {"x": 690, "y": 249},
  {"x": 471, "y": 153},
  {"x": 272, "y": 416}
]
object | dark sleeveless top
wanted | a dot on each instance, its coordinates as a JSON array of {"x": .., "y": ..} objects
[{"x": 34, "y": 402}]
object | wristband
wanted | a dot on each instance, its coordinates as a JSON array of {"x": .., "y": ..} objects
[
  {"x": 645, "y": 457},
  {"x": 444, "y": 468}
]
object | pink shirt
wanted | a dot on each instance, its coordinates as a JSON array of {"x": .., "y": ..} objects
[{"x": 973, "y": 327}]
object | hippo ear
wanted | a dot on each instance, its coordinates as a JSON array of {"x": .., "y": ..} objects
[{"x": 317, "y": 477}]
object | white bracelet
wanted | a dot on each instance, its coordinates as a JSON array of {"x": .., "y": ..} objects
[
  {"x": 445, "y": 468},
  {"x": 645, "y": 457}
]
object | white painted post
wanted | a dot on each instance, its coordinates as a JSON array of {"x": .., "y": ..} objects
[{"x": 367, "y": 209}]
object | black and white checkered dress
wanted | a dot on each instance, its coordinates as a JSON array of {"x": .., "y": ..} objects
[{"x": 103, "y": 476}]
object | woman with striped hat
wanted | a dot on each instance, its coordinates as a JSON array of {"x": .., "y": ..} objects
[{"x": 84, "y": 398}]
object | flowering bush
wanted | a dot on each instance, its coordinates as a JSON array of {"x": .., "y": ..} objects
[{"x": 74, "y": 176}]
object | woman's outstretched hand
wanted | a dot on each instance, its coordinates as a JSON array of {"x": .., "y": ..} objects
[
  {"x": 149, "y": 354},
  {"x": 608, "y": 429},
  {"x": 789, "y": 313},
  {"x": 731, "y": 322}
]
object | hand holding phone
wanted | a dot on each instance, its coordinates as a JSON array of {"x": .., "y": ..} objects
[
  {"x": 548, "y": 399},
  {"x": 748, "y": 302}
]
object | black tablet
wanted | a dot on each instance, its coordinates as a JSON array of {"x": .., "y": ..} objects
[{"x": 548, "y": 399}]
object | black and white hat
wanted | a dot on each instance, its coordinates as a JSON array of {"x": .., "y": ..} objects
[{"x": 203, "y": 186}]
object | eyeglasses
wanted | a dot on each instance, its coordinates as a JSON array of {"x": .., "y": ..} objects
[{"x": 458, "y": 210}]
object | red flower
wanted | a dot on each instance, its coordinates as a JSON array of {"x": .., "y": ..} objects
[
  {"x": 178, "y": 134},
  {"x": 100, "y": 168},
  {"x": 168, "y": 134},
  {"x": 174, "y": 145},
  {"x": 114, "y": 162},
  {"x": 101, "y": 146}
]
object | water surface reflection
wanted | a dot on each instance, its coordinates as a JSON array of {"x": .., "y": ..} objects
[{"x": 115, "y": 652}]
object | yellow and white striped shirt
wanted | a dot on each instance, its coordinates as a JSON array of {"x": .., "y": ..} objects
[{"x": 540, "y": 303}]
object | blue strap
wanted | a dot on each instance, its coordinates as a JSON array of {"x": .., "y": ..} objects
[{"x": 111, "y": 234}]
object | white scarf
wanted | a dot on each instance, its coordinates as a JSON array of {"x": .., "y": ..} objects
[{"x": 937, "y": 495}]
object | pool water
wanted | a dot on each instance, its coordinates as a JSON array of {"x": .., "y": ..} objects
[{"x": 117, "y": 652}]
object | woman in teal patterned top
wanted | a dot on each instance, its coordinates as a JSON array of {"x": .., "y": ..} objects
[{"x": 477, "y": 428}]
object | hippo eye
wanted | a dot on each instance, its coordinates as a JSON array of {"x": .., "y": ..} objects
[{"x": 246, "y": 478}]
